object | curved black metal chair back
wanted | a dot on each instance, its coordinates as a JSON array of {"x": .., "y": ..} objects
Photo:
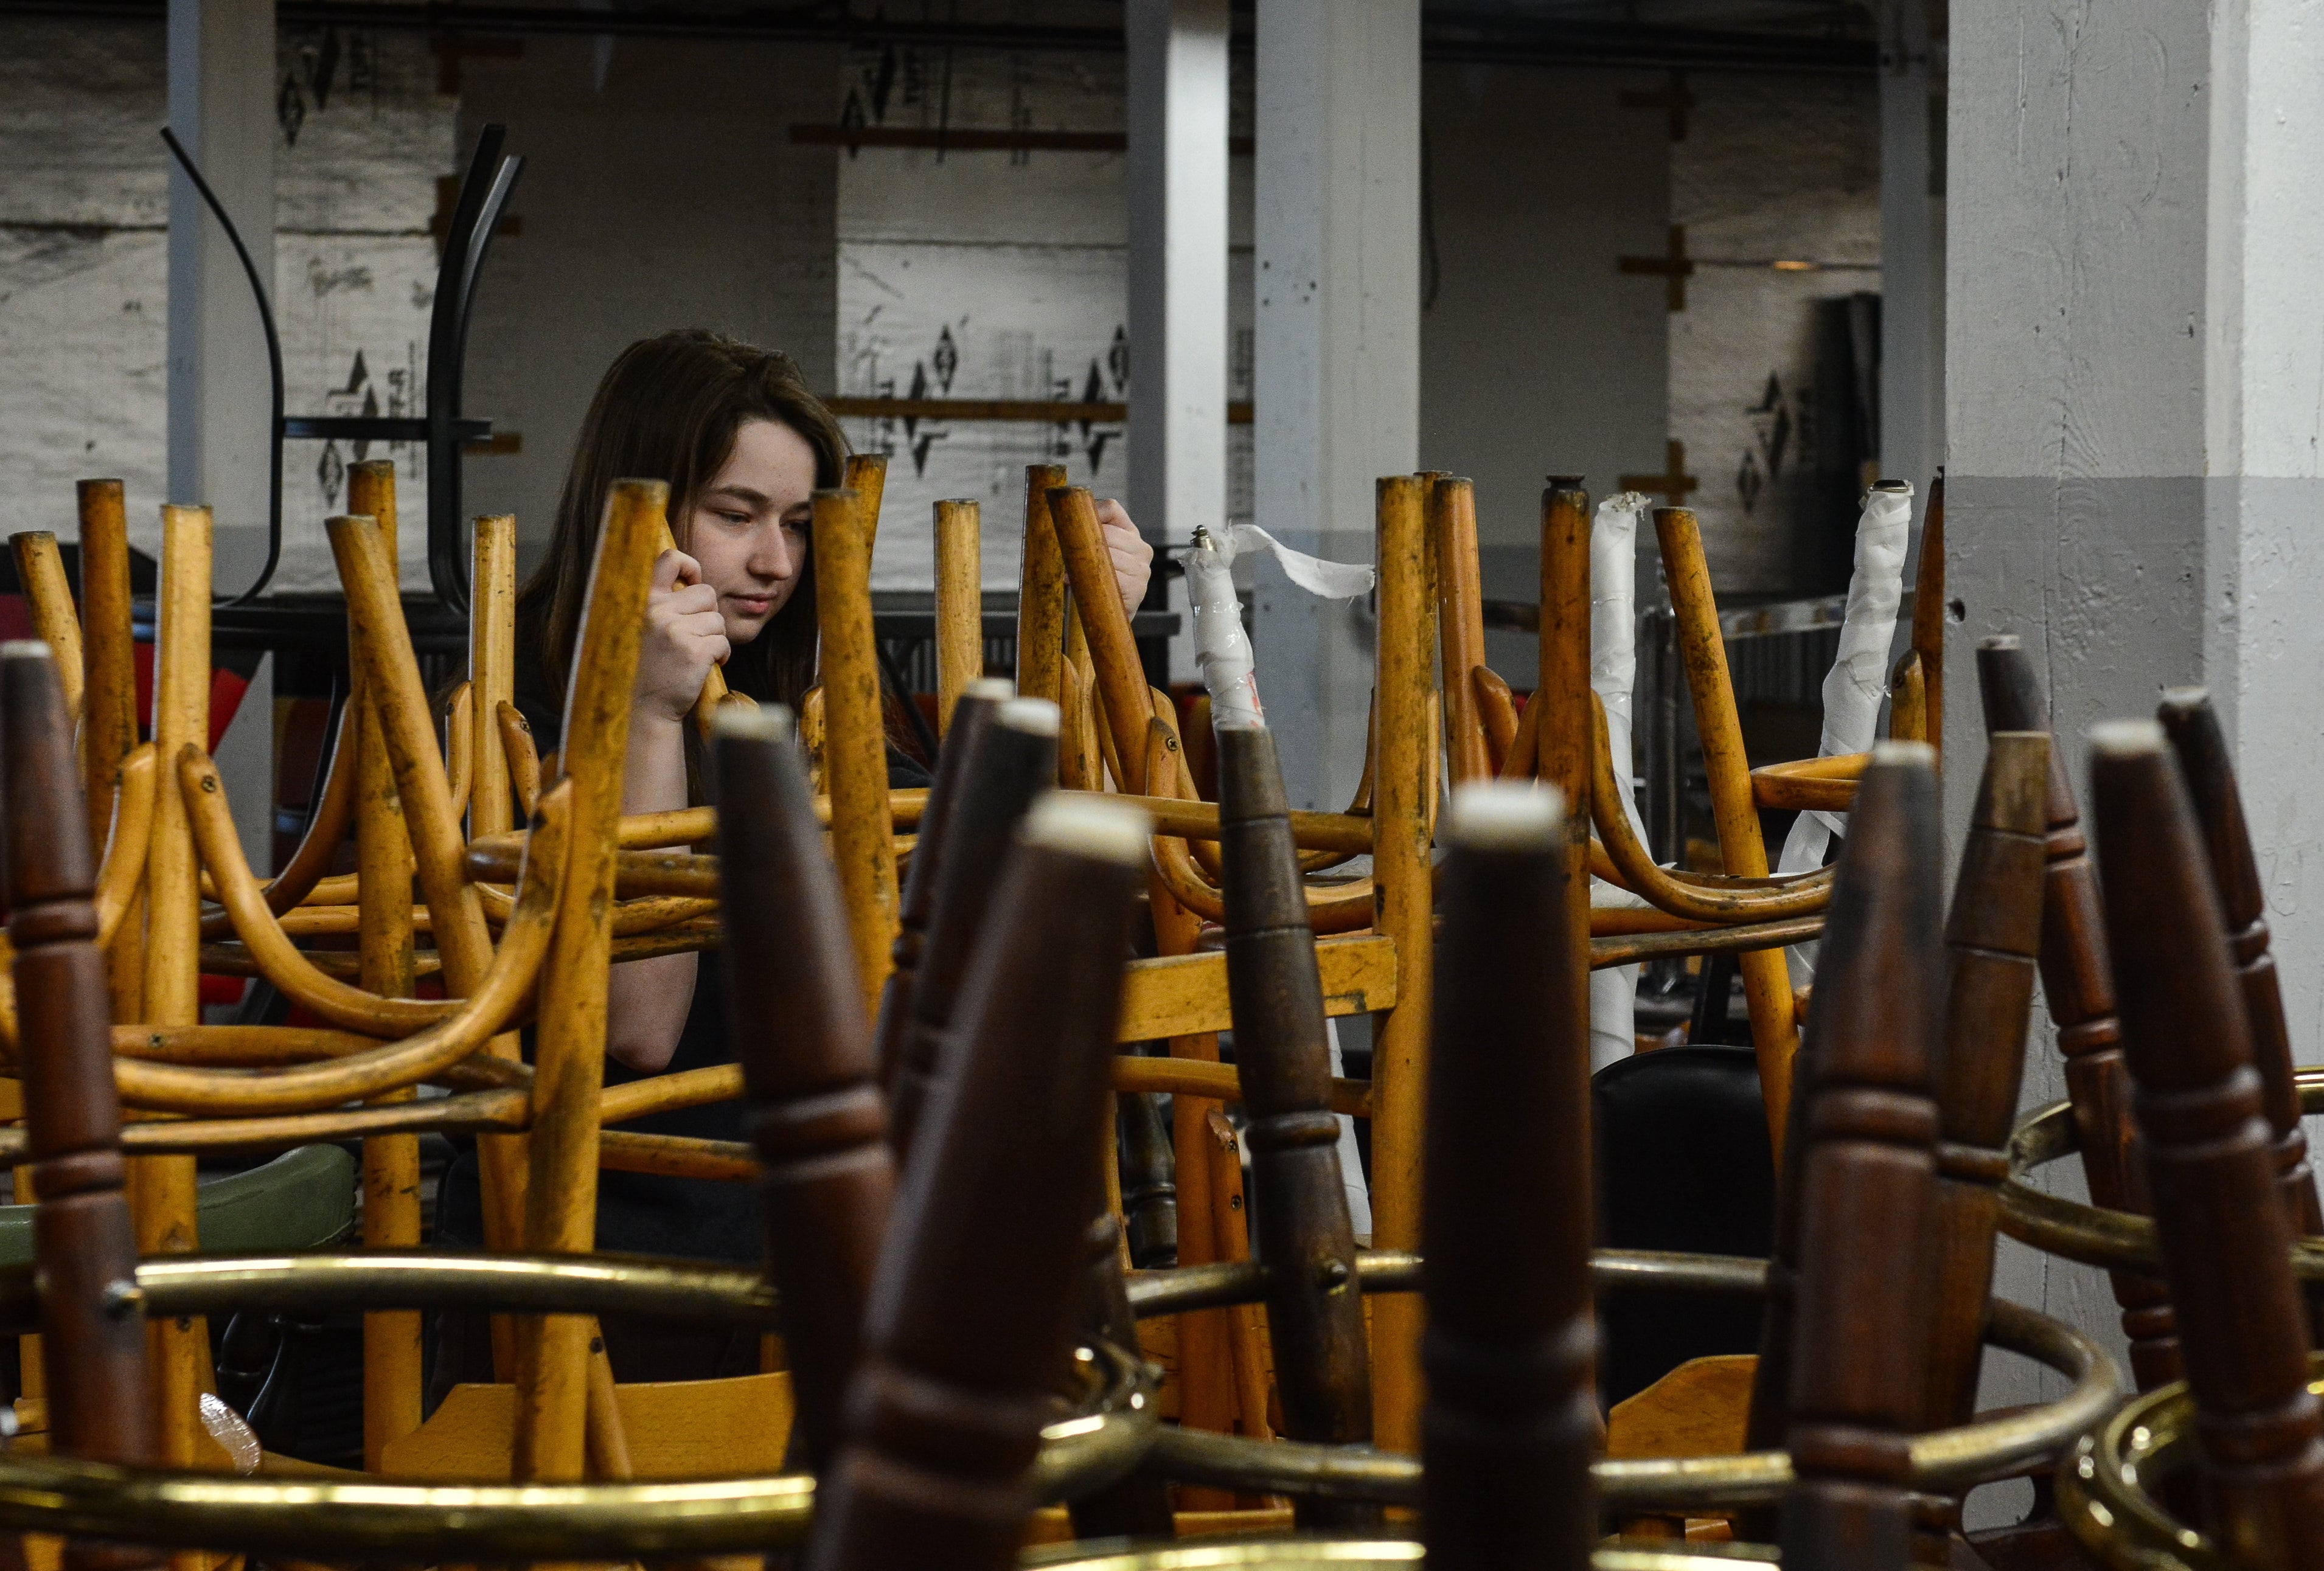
[{"x": 484, "y": 192}]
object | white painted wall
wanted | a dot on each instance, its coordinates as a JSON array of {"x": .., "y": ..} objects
[
  {"x": 1337, "y": 233},
  {"x": 1773, "y": 169},
  {"x": 660, "y": 190},
  {"x": 1537, "y": 355},
  {"x": 2135, "y": 404},
  {"x": 84, "y": 271}
]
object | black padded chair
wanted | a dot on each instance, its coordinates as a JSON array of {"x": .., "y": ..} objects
[{"x": 1684, "y": 1162}]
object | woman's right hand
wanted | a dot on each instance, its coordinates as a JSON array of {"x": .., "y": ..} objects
[{"x": 686, "y": 636}]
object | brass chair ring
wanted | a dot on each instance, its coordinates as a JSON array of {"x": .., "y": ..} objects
[
  {"x": 2093, "y": 1235},
  {"x": 1308, "y": 1552},
  {"x": 1105, "y": 1438},
  {"x": 2107, "y": 1484},
  {"x": 1942, "y": 1460}
]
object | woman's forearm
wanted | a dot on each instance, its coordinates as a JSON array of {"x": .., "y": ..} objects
[{"x": 647, "y": 1001}]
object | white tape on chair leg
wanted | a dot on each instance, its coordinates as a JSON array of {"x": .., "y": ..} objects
[
  {"x": 1613, "y": 673},
  {"x": 1858, "y": 679}
]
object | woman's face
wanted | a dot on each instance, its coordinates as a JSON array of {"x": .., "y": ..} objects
[{"x": 748, "y": 527}]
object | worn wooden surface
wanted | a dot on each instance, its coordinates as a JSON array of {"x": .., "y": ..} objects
[
  {"x": 1511, "y": 1419},
  {"x": 1993, "y": 936},
  {"x": 795, "y": 1020},
  {"x": 1858, "y": 1228},
  {"x": 973, "y": 1310},
  {"x": 102, "y": 1398},
  {"x": 2078, "y": 989},
  {"x": 1041, "y": 591},
  {"x": 959, "y": 605},
  {"x": 856, "y": 743},
  {"x": 108, "y": 649},
  {"x": 1766, "y": 983},
  {"x": 1105, "y": 622},
  {"x": 2200, "y": 1106},
  {"x": 569, "y": 1055},
  {"x": 1460, "y": 626},
  {"x": 1006, "y": 762},
  {"x": 1313, "y": 1312},
  {"x": 1400, "y": 870},
  {"x": 2205, "y": 763}
]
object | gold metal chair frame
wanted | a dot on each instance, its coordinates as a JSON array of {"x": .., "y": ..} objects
[
  {"x": 1306, "y": 1553},
  {"x": 2093, "y": 1235},
  {"x": 1944, "y": 1460},
  {"x": 1110, "y": 1433},
  {"x": 2107, "y": 1484}
]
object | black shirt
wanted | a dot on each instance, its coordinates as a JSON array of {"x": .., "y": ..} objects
[{"x": 649, "y": 1213}]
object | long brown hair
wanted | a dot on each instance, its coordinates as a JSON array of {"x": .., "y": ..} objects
[{"x": 669, "y": 409}]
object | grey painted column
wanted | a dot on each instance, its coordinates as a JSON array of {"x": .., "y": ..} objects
[
  {"x": 1911, "y": 245},
  {"x": 1177, "y": 265},
  {"x": 1337, "y": 382},
  {"x": 222, "y": 108},
  {"x": 2134, "y": 386}
]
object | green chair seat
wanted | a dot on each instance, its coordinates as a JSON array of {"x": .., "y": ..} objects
[{"x": 303, "y": 1200}]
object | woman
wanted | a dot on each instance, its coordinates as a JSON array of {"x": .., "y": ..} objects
[{"x": 743, "y": 446}]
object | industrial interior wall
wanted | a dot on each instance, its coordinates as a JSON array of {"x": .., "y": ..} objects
[
  {"x": 661, "y": 189},
  {"x": 1774, "y": 202},
  {"x": 1537, "y": 356},
  {"x": 997, "y": 274},
  {"x": 364, "y": 136}
]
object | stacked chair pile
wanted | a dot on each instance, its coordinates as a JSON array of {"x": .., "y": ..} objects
[{"x": 927, "y": 1027}]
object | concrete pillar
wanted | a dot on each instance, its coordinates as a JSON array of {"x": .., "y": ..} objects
[
  {"x": 2136, "y": 407},
  {"x": 1911, "y": 245},
  {"x": 1178, "y": 265},
  {"x": 1337, "y": 384},
  {"x": 222, "y": 84}
]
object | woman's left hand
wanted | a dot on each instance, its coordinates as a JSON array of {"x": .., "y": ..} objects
[{"x": 1133, "y": 558}]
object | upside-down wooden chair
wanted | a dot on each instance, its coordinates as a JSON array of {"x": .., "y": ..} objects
[
  {"x": 1373, "y": 956},
  {"x": 1554, "y": 740},
  {"x": 2213, "y": 1165},
  {"x": 2077, "y": 985},
  {"x": 1991, "y": 935},
  {"x": 2200, "y": 747}
]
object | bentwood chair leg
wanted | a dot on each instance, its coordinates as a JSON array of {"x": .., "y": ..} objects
[
  {"x": 1041, "y": 590},
  {"x": 384, "y": 945},
  {"x": 161, "y": 1187},
  {"x": 108, "y": 649},
  {"x": 1766, "y": 981},
  {"x": 1402, "y": 800},
  {"x": 959, "y": 605},
  {"x": 855, "y": 741}
]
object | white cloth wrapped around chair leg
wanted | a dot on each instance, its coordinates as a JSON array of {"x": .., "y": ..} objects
[
  {"x": 1221, "y": 647},
  {"x": 1613, "y": 673},
  {"x": 1858, "y": 679}
]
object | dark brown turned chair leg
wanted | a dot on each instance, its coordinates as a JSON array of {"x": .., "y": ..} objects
[
  {"x": 795, "y": 1018},
  {"x": 1007, "y": 761},
  {"x": 970, "y": 1332},
  {"x": 1993, "y": 934},
  {"x": 1314, "y": 1312},
  {"x": 2211, "y": 1159},
  {"x": 1511, "y": 1416},
  {"x": 101, "y": 1398},
  {"x": 970, "y": 714},
  {"x": 1867, "y": 1199},
  {"x": 2193, "y": 727},
  {"x": 2077, "y": 986}
]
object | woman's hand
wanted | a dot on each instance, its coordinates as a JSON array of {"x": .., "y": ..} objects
[
  {"x": 685, "y": 637},
  {"x": 1133, "y": 558}
]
